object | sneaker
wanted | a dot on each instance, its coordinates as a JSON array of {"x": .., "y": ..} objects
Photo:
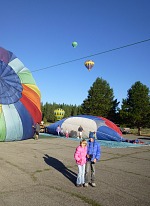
[
  {"x": 86, "y": 184},
  {"x": 93, "y": 184}
]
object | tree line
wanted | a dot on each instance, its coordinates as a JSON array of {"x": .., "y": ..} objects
[{"x": 134, "y": 111}]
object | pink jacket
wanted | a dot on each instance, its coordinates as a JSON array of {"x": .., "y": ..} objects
[{"x": 80, "y": 155}]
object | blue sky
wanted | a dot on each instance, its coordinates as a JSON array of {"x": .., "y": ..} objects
[{"x": 40, "y": 34}]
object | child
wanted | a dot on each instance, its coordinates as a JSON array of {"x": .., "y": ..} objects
[
  {"x": 80, "y": 157},
  {"x": 67, "y": 134},
  {"x": 58, "y": 130}
]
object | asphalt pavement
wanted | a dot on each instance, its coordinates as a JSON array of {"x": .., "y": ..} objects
[{"x": 43, "y": 173}]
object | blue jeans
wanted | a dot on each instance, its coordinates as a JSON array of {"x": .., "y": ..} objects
[
  {"x": 90, "y": 168},
  {"x": 81, "y": 173}
]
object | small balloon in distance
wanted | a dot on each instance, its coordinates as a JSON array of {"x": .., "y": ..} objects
[
  {"x": 74, "y": 44},
  {"x": 59, "y": 113},
  {"x": 89, "y": 64}
]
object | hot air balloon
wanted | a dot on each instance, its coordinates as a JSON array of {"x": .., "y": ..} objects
[
  {"x": 104, "y": 128},
  {"x": 59, "y": 113},
  {"x": 20, "y": 105},
  {"x": 89, "y": 64},
  {"x": 74, "y": 44}
]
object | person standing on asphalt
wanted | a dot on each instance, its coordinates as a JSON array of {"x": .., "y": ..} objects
[
  {"x": 80, "y": 157},
  {"x": 58, "y": 130},
  {"x": 80, "y": 130},
  {"x": 37, "y": 130},
  {"x": 93, "y": 155}
]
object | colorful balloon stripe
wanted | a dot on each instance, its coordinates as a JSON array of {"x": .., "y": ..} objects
[{"x": 20, "y": 99}]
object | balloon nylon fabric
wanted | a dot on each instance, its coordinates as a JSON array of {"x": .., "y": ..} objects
[
  {"x": 105, "y": 129},
  {"x": 20, "y": 105}
]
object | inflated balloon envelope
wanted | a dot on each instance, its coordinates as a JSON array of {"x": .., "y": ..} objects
[
  {"x": 104, "y": 128},
  {"x": 89, "y": 64},
  {"x": 59, "y": 113},
  {"x": 74, "y": 44},
  {"x": 20, "y": 105}
]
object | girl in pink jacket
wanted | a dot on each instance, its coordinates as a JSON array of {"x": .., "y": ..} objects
[{"x": 80, "y": 157}]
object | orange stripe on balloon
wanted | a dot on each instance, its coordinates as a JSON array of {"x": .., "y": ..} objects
[
  {"x": 31, "y": 101},
  {"x": 32, "y": 109},
  {"x": 32, "y": 96}
]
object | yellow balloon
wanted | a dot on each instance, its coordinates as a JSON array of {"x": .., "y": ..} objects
[
  {"x": 59, "y": 113},
  {"x": 89, "y": 64}
]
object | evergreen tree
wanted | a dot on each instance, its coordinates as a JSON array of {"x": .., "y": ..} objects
[
  {"x": 100, "y": 100},
  {"x": 135, "y": 108},
  {"x": 48, "y": 111}
]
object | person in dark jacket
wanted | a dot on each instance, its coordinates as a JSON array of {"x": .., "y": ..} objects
[
  {"x": 80, "y": 130},
  {"x": 93, "y": 155},
  {"x": 37, "y": 130}
]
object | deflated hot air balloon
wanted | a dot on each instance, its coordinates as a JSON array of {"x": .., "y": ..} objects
[
  {"x": 104, "y": 128},
  {"x": 59, "y": 113},
  {"x": 74, "y": 44},
  {"x": 20, "y": 105},
  {"x": 89, "y": 64}
]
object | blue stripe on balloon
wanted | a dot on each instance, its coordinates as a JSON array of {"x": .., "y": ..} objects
[
  {"x": 52, "y": 128},
  {"x": 106, "y": 133},
  {"x": 26, "y": 120}
]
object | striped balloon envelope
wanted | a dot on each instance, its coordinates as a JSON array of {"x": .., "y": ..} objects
[
  {"x": 104, "y": 128},
  {"x": 20, "y": 105}
]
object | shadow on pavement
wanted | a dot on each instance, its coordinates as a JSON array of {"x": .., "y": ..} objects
[
  {"x": 58, "y": 165},
  {"x": 146, "y": 138}
]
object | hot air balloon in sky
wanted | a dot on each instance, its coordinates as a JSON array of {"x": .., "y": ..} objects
[
  {"x": 74, "y": 44},
  {"x": 20, "y": 105},
  {"x": 59, "y": 113},
  {"x": 89, "y": 64}
]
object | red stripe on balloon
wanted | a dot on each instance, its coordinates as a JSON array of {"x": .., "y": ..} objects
[
  {"x": 32, "y": 109},
  {"x": 111, "y": 125}
]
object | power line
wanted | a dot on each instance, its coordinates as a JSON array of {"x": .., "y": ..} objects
[{"x": 110, "y": 50}]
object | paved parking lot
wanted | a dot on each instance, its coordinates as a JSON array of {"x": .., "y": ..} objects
[{"x": 43, "y": 173}]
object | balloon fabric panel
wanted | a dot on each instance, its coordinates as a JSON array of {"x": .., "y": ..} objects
[
  {"x": 107, "y": 133},
  {"x": 16, "y": 65},
  {"x": 26, "y": 78},
  {"x": 14, "y": 126},
  {"x": 111, "y": 125},
  {"x": 6, "y": 56},
  {"x": 32, "y": 96},
  {"x": 34, "y": 88},
  {"x": 10, "y": 85},
  {"x": 26, "y": 119},
  {"x": 23, "y": 73},
  {"x": 32, "y": 109}
]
